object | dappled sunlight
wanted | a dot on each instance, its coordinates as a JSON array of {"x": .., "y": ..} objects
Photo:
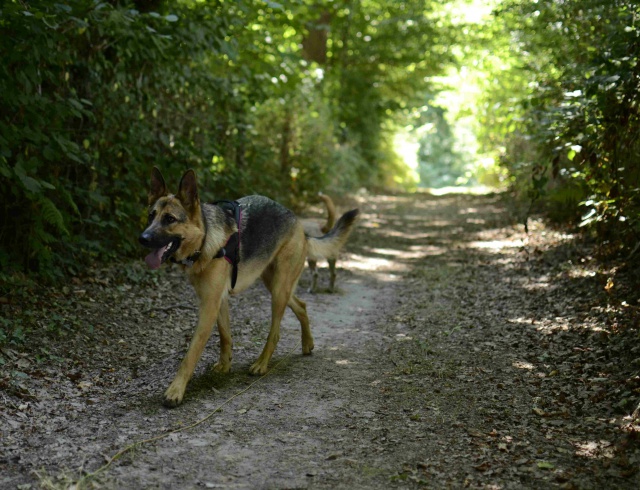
[
  {"x": 344, "y": 362},
  {"x": 496, "y": 245},
  {"x": 476, "y": 221},
  {"x": 414, "y": 252},
  {"x": 536, "y": 284},
  {"x": 363, "y": 263},
  {"x": 548, "y": 326},
  {"x": 523, "y": 365},
  {"x": 595, "y": 449},
  {"x": 477, "y": 190},
  {"x": 581, "y": 273},
  {"x": 386, "y": 251},
  {"x": 556, "y": 324},
  {"x": 409, "y": 235}
]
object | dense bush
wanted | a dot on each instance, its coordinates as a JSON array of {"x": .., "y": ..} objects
[
  {"x": 566, "y": 109},
  {"x": 92, "y": 96},
  {"x": 255, "y": 96}
]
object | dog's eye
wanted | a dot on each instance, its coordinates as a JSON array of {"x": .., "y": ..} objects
[
  {"x": 168, "y": 219},
  {"x": 152, "y": 215}
]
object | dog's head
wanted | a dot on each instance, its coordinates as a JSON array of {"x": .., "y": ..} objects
[{"x": 175, "y": 227}]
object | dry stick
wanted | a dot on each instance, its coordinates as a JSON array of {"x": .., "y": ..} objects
[{"x": 131, "y": 447}]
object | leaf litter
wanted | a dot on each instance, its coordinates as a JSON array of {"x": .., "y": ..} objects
[{"x": 477, "y": 356}]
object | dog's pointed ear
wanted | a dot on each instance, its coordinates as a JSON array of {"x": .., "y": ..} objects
[
  {"x": 158, "y": 187},
  {"x": 188, "y": 192}
]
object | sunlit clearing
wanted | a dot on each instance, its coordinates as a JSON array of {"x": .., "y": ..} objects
[
  {"x": 465, "y": 161},
  {"x": 406, "y": 146},
  {"x": 471, "y": 11}
]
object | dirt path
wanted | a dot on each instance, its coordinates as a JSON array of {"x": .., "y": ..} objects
[{"x": 459, "y": 353}]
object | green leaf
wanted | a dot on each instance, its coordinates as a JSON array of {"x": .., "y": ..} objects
[
  {"x": 171, "y": 18},
  {"x": 29, "y": 183}
]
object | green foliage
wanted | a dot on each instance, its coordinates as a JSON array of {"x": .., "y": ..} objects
[
  {"x": 380, "y": 59},
  {"x": 566, "y": 108},
  {"x": 92, "y": 94},
  {"x": 439, "y": 163}
]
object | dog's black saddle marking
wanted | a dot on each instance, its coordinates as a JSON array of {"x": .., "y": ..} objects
[{"x": 231, "y": 250}]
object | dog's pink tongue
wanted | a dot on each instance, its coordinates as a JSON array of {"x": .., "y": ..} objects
[{"x": 154, "y": 259}]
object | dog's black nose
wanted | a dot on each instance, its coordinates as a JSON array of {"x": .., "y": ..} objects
[{"x": 144, "y": 239}]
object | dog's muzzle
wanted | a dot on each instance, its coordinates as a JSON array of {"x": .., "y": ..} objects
[{"x": 162, "y": 248}]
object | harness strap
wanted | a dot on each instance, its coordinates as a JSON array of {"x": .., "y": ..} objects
[{"x": 231, "y": 250}]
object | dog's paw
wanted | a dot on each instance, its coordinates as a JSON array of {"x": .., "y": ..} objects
[
  {"x": 259, "y": 367},
  {"x": 307, "y": 347},
  {"x": 173, "y": 396},
  {"x": 222, "y": 367}
]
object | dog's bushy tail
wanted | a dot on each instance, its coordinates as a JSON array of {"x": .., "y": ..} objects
[
  {"x": 328, "y": 246},
  {"x": 331, "y": 213}
]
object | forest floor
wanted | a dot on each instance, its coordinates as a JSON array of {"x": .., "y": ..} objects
[{"x": 459, "y": 352}]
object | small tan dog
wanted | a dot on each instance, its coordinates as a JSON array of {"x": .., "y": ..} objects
[{"x": 313, "y": 228}]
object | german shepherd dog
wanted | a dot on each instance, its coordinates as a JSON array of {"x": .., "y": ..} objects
[
  {"x": 224, "y": 247},
  {"x": 315, "y": 229}
]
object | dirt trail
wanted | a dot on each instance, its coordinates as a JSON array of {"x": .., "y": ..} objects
[{"x": 458, "y": 353}]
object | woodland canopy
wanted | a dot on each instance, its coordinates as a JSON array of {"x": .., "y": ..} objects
[{"x": 289, "y": 98}]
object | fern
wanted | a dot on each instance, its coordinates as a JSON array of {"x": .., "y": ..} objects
[
  {"x": 41, "y": 237},
  {"x": 68, "y": 198},
  {"x": 52, "y": 215}
]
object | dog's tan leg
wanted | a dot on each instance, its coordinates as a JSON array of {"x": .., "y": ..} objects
[
  {"x": 279, "y": 299},
  {"x": 314, "y": 275},
  {"x": 224, "y": 363},
  {"x": 209, "y": 288},
  {"x": 299, "y": 308},
  {"x": 280, "y": 278},
  {"x": 332, "y": 275}
]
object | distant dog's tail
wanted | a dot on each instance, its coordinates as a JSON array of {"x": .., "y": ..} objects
[
  {"x": 328, "y": 246},
  {"x": 331, "y": 213}
]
